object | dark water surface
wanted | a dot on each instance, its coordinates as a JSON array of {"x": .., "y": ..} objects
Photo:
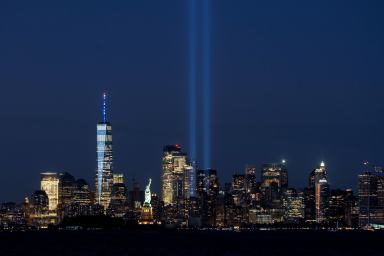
[{"x": 196, "y": 243}]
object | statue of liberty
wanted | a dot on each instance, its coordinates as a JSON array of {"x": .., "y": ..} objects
[
  {"x": 147, "y": 201},
  {"x": 146, "y": 211}
]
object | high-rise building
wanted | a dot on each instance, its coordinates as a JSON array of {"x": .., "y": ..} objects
[
  {"x": 337, "y": 206},
  {"x": 371, "y": 195},
  {"x": 274, "y": 181},
  {"x": 208, "y": 188},
  {"x": 312, "y": 194},
  {"x": 293, "y": 202},
  {"x": 213, "y": 192},
  {"x": 174, "y": 183},
  {"x": 190, "y": 181},
  {"x": 50, "y": 184},
  {"x": 250, "y": 178},
  {"x": 318, "y": 174},
  {"x": 104, "y": 175},
  {"x": 321, "y": 195},
  {"x": 136, "y": 196},
  {"x": 309, "y": 204},
  {"x": 39, "y": 214},
  {"x": 238, "y": 190},
  {"x": 67, "y": 186},
  {"x": 119, "y": 204}
]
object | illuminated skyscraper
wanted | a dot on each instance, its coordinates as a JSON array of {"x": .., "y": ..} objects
[
  {"x": 318, "y": 174},
  {"x": 119, "y": 204},
  {"x": 371, "y": 198},
  {"x": 104, "y": 175},
  {"x": 274, "y": 181},
  {"x": 190, "y": 181},
  {"x": 50, "y": 184},
  {"x": 321, "y": 196},
  {"x": 319, "y": 181},
  {"x": 293, "y": 202},
  {"x": 175, "y": 166},
  {"x": 250, "y": 178}
]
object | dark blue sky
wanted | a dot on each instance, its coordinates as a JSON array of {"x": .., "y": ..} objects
[{"x": 300, "y": 80}]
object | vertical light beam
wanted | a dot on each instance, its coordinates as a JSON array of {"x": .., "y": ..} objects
[
  {"x": 192, "y": 76},
  {"x": 206, "y": 76}
]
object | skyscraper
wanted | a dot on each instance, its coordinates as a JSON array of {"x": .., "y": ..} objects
[
  {"x": 173, "y": 170},
  {"x": 250, "y": 178},
  {"x": 50, "y": 184},
  {"x": 293, "y": 202},
  {"x": 274, "y": 181},
  {"x": 321, "y": 195},
  {"x": 104, "y": 175},
  {"x": 371, "y": 195},
  {"x": 119, "y": 204},
  {"x": 319, "y": 180},
  {"x": 318, "y": 174}
]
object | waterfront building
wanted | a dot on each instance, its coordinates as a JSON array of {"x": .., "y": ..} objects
[
  {"x": 49, "y": 183},
  {"x": 321, "y": 200},
  {"x": 293, "y": 203},
  {"x": 104, "y": 173},
  {"x": 119, "y": 205},
  {"x": 370, "y": 197},
  {"x": 274, "y": 181}
]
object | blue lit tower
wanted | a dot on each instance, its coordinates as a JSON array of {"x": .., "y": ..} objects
[{"x": 104, "y": 175}]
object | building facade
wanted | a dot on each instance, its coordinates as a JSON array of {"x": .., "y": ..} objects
[
  {"x": 50, "y": 184},
  {"x": 104, "y": 174}
]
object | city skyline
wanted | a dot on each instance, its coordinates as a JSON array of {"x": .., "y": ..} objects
[
  {"x": 241, "y": 170},
  {"x": 175, "y": 155},
  {"x": 296, "y": 82}
]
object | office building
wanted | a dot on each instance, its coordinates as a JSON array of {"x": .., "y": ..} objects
[
  {"x": 274, "y": 181},
  {"x": 50, "y": 184},
  {"x": 321, "y": 200},
  {"x": 177, "y": 175},
  {"x": 104, "y": 175},
  {"x": 370, "y": 197}
]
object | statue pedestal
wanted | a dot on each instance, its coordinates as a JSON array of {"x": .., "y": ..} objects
[{"x": 146, "y": 217}]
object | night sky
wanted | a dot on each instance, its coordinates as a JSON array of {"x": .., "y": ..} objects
[{"x": 300, "y": 80}]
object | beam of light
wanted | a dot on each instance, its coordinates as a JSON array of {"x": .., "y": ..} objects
[
  {"x": 206, "y": 76},
  {"x": 192, "y": 77}
]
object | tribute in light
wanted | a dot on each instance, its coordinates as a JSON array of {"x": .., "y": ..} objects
[
  {"x": 206, "y": 83},
  {"x": 192, "y": 79}
]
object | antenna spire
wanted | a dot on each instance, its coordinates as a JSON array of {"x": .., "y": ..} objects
[{"x": 104, "y": 107}]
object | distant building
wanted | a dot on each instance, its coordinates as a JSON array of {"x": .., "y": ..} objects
[
  {"x": 213, "y": 193},
  {"x": 119, "y": 204},
  {"x": 238, "y": 189},
  {"x": 50, "y": 184},
  {"x": 12, "y": 217},
  {"x": 136, "y": 196},
  {"x": 250, "y": 179},
  {"x": 252, "y": 187},
  {"x": 39, "y": 214},
  {"x": 318, "y": 174},
  {"x": 274, "y": 181},
  {"x": 371, "y": 198},
  {"x": 337, "y": 207},
  {"x": 67, "y": 187},
  {"x": 321, "y": 195},
  {"x": 178, "y": 176},
  {"x": 293, "y": 202},
  {"x": 316, "y": 195},
  {"x": 189, "y": 181},
  {"x": 104, "y": 174}
]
